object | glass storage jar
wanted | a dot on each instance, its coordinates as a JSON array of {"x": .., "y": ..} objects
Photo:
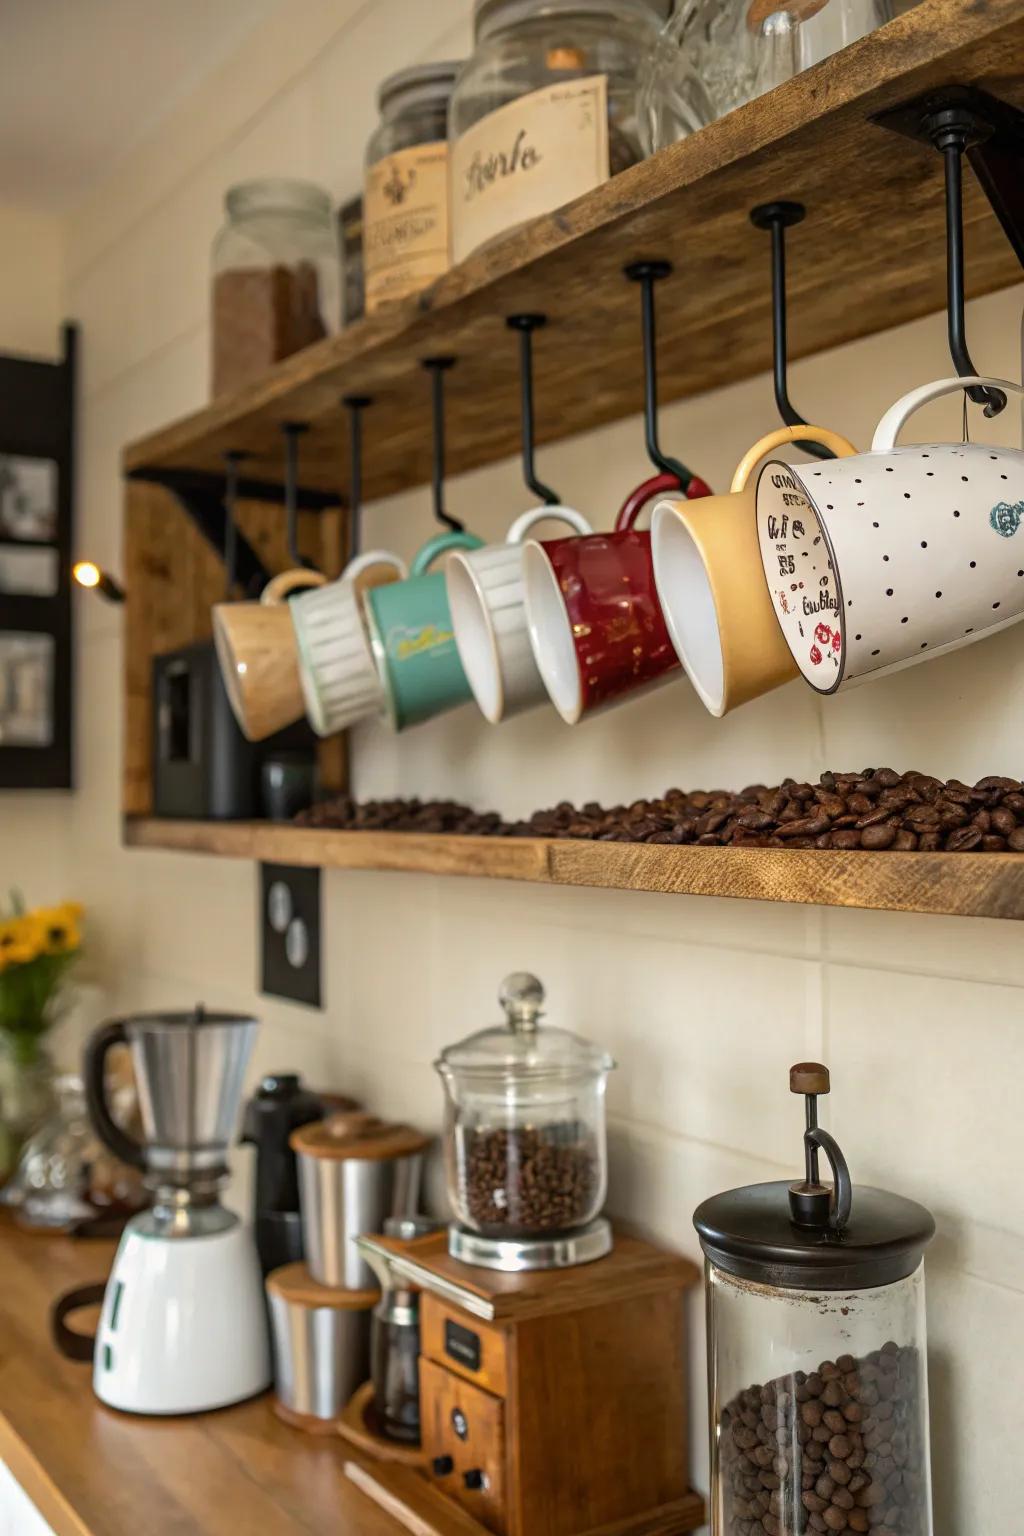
[
  {"x": 714, "y": 55},
  {"x": 817, "y": 1372},
  {"x": 276, "y": 277},
  {"x": 545, "y": 109},
  {"x": 525, "y": 1146},
  {"x": 405, "y": 190}
]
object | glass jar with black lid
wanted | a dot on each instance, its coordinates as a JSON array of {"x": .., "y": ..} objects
[{"x": 817, "y": 1370}]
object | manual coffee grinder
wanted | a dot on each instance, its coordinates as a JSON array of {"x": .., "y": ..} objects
[{"x": 183, "y": 1325}]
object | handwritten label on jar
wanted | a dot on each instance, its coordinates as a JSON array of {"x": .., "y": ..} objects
[
  {"x": 405, "y": 223},
  {"x": 526, "y": 158}
]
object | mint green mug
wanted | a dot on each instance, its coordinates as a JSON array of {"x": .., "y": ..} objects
[{"x": 413, "y": 640}]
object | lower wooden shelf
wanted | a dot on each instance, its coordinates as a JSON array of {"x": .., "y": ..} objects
[{"x": 958, "y": 884}]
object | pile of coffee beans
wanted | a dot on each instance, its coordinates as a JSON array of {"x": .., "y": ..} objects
[
  {"x": 523, "y": 1180},
  {"x": 838, "y": 1450},
  {"x": 346, "y": 815},
  {"x": 875, "y": 809}
]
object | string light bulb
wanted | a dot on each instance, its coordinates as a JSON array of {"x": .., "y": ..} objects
[{"x": 94, "y": 579}]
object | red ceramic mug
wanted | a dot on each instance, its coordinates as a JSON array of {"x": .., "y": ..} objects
[{"x": 596, "y": 626}]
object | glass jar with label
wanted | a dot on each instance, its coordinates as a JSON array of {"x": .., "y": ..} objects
[
  {"x": 546, "y": 108},
  {"x": 276, "y": 277},
  {"x": 405, "y": 199}
]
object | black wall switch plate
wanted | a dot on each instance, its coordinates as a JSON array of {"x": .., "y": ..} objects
[{"x": 290, "y": 933}]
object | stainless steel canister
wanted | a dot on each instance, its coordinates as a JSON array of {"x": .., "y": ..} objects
[
  {"x": 354, "y": 1172},
  {"x": 321, "y": 1343}
]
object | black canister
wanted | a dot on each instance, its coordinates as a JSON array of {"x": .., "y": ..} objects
[{"x": 279, "y": 1106}]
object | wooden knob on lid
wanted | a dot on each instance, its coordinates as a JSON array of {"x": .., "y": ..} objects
[{"x": 808, "y": 1077}]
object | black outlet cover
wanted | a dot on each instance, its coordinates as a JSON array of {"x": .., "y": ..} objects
[{"x": 289, "y": 920}]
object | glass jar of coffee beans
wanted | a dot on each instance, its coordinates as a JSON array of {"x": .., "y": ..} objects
[
  {"x": 525, "y": 1149},
  {"x": 817, "y": 1351}
]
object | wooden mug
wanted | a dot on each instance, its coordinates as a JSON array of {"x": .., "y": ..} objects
[{"x": 258, "y": 656}]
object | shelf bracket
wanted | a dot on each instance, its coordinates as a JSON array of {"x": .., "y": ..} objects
[{"x": 201, "y": 494}]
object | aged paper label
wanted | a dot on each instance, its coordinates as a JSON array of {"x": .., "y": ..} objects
[
  {"x": 405, "y": 223},
  {"x": 527, "y": 158}
]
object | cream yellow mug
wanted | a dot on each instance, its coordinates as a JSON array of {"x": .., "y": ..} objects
[{"x": 712, "y": 589}]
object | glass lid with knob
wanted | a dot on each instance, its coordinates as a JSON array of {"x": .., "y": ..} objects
[
  {"x": 817, "y": 1371},
  {"x": 525, "y": 1144}
]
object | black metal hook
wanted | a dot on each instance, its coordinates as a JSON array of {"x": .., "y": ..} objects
[
  {"x": 232, "y": 459},
  {"x": 777, "y": 218},
  {"x": 293, "y": 430},
  {"x": 952, "y": 130},
  {"x": 437, "y": 367},
  {"x": 356, "y": 404},
  {"x": 647, "y": 273},
  {"x": 526, "y": 325}
]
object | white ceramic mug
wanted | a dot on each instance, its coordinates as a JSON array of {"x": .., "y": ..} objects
[
  {"x": 340, "y": 680},
  {"x": 488, "y": 606},
  {"x": 890, "y": 557}
]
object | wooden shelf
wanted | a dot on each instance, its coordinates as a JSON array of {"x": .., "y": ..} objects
[
  {"x": 870, "y": 255},
  {"x": 958, "y": 884}
]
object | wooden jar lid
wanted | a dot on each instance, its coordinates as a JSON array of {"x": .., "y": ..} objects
[
  {"x": 294, "y": 1284},
  {"x": 357, "y": 1136}
]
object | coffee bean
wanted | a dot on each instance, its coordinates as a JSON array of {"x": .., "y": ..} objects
[
  {"x": 525, "y": 1180},
  {"x": 878, "y": 835}
]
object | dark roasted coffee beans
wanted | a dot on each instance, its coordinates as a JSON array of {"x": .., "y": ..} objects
[
  {"x": 877, "y": 809},
  {"x": 837, "y": 1450},
  {"x": 522, "y": 1180}
]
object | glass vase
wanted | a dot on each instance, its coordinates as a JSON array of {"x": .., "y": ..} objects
[{"x": 26, "y": 1093}]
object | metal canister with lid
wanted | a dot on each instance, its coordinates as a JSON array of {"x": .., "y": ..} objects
[
  {"x": 405, "y": 188},
  {"x": 525, "y": 1143},
  {"x": 818, "y": 1389}
]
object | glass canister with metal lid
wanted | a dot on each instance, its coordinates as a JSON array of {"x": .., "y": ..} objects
[
  {"x": 545, "y": 109},
  {"x": 818, "y": 1391},
  {"x": 525, "y": 1141},
  {"x": 405, "y": 196}
]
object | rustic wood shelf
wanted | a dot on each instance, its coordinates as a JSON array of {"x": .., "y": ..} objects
[
  {"x": 958, "y": 884},
  {"x": 870, "y": 255}
]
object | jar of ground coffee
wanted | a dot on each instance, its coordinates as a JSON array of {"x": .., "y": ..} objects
[
  {"x": 276, "y": 277},
  {"x": 817, "y": 1350},
  {"x": 545, "y": 109},
  {"x": 405, "y": 186},
  {"x": 525, "y": 1150}
]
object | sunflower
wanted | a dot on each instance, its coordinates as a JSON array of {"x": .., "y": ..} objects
[
  {"x": 19, "y": 941},
  {"x": 57, "y": 928}
]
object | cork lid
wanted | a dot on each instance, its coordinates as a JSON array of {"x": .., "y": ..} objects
[
  {"x": 357, "y": 1136},
  {"x": 295, "y": 1285}
]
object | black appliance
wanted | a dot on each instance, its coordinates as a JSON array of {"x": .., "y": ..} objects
[{"x": 279, "y": 1106}]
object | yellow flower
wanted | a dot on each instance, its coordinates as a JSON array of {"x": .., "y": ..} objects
[
  {"x": 19, "y": 942},
  {"x": 56, "y": 928}
]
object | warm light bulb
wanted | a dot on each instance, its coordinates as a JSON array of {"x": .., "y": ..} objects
[{"x": 86, "y": 573}]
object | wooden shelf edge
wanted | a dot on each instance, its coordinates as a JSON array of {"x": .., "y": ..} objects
[{"x": 946, "y": 884}]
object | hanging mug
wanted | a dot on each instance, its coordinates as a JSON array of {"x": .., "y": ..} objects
[
  {"x": 255, "y": 645},
  {"x": 707, "y": 567},
  {"x": 410, "y": 627},
  {"x": 890, "y": 557},
  {"x": 488, "y": 606},
  {"x": 596, "y": 627},
  {"x": 340, "y": 680}
]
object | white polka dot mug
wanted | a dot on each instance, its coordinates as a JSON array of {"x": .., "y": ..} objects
[{"x": 888, "y": 558}]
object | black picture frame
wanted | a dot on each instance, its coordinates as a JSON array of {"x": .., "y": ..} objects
[{"x": 37, "y": 421}]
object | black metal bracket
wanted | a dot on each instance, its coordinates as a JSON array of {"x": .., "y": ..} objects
[
  {"x": 647, "y": 273},
  {"x": 526, "y": 325},
  {"x": 776, "y": 218},
  {"x": 356, "y": 405},
  {"x": 201, "y": 496},
  {"x": 959, "y": 120},
  {"x": 292, "y": 431},
  {"x": 437, "y": 367},
  {"x": 231, "y": 463}
]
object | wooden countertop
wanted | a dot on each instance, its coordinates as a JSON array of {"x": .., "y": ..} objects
[{"x": 91, "y": 1471}]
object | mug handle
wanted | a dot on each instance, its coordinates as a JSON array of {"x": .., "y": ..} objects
[
  {"x": 782, "y": 435},
  {"x": 72, "y": 1345},
  {"x": 285, "y": 582},
  {"x": 522, "y": 525},
  {"x": 658, "y": 485},
  {"x": 895, "y": 418},
  {"x": 439, "y": 545},
  {"x": 373, "y": 557}
]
